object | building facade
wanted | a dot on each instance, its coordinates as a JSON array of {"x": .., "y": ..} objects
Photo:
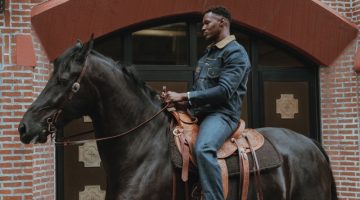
[{"x": 319, "y": 67}]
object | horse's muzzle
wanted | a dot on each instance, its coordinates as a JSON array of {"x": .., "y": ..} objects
[{"x": 26, "y": 137}]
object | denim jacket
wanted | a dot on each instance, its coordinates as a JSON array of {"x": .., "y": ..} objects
[{"x": 220, "y": 80}]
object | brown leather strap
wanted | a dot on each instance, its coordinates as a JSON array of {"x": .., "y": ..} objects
[
  {"x": 246, "y": 177},
  {"x": 185, "y": 150},
  {"x": 114, "y": 136},
  {"x": 185, "y": 153},
  {"x": 224, "y": 176},
  {"x": 177, "y": 117},
  {"x": 244, "y": 170},
  {"x": 256, "y": 169},
  {"x": 241, "y": 175}
]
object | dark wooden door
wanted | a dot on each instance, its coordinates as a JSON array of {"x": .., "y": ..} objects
[
  {"x": 287, "y": 99},
  {"x": 83, "y": 174},
  {"x": 283, "y": 89}
]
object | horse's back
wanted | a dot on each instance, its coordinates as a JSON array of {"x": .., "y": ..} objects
[
  {"x": 306, "y": 170},
  {"x": 293, "y": 145}
]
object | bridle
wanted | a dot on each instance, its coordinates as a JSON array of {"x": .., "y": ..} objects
[{"x": 51, "y": 121}]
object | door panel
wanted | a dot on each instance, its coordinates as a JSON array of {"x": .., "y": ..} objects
[
  {"x": 288, "y": 100},
  {"x": 81, "y": 165},
  {"x": 286, "y": 104}
]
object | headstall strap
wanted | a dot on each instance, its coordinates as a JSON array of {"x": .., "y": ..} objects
[
  {"x": 75, "y": 88},
  {"x": 51, "y": 121}
]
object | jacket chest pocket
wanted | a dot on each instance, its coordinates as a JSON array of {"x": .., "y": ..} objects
[
  {"x": 213, "y": 68},
  {"x": 213, "y": 72}
]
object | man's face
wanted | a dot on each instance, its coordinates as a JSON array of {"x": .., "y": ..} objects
[{"x": 212, "y": 26}]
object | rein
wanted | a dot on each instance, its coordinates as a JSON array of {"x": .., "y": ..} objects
[
  {"x": 65, "y": 143},
  {"x": 51, "y": 121}
]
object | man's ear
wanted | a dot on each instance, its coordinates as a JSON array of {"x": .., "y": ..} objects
[
  {"x": 221, "y": 22},
  {"x": 85, "y": 49}
]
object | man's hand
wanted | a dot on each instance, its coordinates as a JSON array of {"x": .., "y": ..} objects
[{"x": 174, "y": 97}]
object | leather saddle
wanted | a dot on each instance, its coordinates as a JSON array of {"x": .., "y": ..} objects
[{"x": 242, "y": 141}]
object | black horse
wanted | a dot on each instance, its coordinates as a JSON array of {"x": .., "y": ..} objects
[{"x": 137, "y": 163}]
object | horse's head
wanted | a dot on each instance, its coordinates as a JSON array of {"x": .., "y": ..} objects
[{"x": 55, "y": 106}]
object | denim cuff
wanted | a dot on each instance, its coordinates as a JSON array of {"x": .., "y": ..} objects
[{"x": 188, "y": 97}]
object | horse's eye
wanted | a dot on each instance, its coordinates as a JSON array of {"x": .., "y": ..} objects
[
  {"x": 63, "y": 78},
  {"x": 62, "y": 81}
]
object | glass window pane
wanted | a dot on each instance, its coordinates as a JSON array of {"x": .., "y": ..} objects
[
  {"x": 161, "y": 45},
  {"x": 242, "y": 39},
  {"x": 270, "y": 56},
  {"x": 110, "y": 47}
]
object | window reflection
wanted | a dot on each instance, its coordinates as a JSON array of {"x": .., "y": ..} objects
[
  {"x": 270, "y": 56},
  {"x": 242, "y": 39},
  {"x": 161, "y": 45},
  {"x": 110, "y": 47}
]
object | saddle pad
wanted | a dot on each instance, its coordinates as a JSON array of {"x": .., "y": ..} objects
[{"x": 268, "y": 158}]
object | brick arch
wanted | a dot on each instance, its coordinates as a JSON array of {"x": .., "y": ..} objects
[{"x": 308, "y": 26}]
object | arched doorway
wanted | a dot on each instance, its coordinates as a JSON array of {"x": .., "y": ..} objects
[
  {"x": 166, "y": 54},
  {"x": 282, "y": 90}
]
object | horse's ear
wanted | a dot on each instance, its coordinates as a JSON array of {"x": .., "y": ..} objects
[
  {"x": 78, "y": 43},
  {"x": 85, "y": 50}
]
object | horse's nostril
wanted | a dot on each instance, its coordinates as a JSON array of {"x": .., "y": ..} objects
[{"x": 22, "y": 128}]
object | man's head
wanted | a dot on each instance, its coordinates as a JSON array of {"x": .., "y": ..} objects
[{"x": 216, "y": 23}]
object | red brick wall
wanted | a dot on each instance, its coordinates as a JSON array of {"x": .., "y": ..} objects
[
  {"x": 26, "y": 171},
  {"x": 340, "y": 110}
]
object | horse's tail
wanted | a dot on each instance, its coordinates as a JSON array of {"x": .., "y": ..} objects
[{"x": 333, "y": 184}]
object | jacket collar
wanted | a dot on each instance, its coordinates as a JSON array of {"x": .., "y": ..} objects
[{"x": 221, "y": 44}]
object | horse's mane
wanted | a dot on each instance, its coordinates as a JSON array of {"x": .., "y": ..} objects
[
  {"x": 62, "y": 62},
  {"x": 129, "y": 71},
  {"x": 130, "y": 74},
  {"x": 133, "y": 78}
]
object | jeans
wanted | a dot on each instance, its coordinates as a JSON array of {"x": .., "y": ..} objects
[{"x": 214, "y": 130}]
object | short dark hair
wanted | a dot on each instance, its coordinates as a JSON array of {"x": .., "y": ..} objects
[{"x": 220, "y": 10}]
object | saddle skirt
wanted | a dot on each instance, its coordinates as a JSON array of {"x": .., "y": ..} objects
[{"x": 187, "y": 130}]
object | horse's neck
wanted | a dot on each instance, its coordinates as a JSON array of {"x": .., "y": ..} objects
[
  {"x": 139, "y": 156},
  {"x": 116, "y": 106},
  {"x": 138, "y": 164},
  {"x": 120, "y": 112}
]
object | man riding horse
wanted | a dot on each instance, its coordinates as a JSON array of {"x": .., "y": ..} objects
[{"x": 219, "y": 88}]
